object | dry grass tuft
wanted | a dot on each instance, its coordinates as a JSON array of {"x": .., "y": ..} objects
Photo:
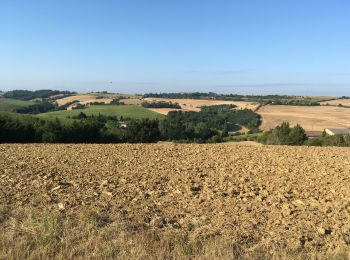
[{"x": 32, "y": 234}]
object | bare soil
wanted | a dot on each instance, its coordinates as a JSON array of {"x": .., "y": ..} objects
[{"x": 297, "y": 197}]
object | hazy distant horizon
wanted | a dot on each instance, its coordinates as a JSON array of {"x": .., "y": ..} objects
[{"x": 263, "y": 89}]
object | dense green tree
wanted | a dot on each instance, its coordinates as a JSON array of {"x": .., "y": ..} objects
[
  {"x": 161, "y": 104},
  {"x": 40, "y": 107},
  {"x": 297, "y": 136},
  {"x": 28, "y": 95},
  {"x": 144, "y": 131},
  {"x": 52, "y": 132},
  {"x": 210, "y": 121},
  {"x": 285, "y": 135}
]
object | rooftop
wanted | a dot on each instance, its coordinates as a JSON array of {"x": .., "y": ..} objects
[{"x": 339, "y": 131}]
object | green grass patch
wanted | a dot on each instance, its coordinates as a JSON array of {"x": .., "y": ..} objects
[
  {"x": 127, "y": 111},
  {"x": 14, "y": 114},
  {"x": 9, "y": 104}
]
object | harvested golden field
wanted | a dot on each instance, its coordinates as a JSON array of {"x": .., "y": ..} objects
[
  {"x": 94, "y": 97},
  {"x": 83, "y": 99},
  {"x": 336, "y": 102},
  {"x": 172, "y": 201},
  {"x": 196, "y": 104},
  {"x": 188, "y": 104},
  {"x": 311, "y": 118}
]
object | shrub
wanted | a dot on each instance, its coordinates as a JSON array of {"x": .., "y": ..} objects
[
  {"x": 161, "y": 104},
  {"x": 284, "y": 135}
]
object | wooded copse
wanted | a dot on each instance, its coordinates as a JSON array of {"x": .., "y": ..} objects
[
  {"x": 284, "y": 134},
  {"x": 160, "y": 104},
  {"x": 211, "y": 123},
  {"x": 41, "y": 94},
  {"x": 48, "y": 106}
]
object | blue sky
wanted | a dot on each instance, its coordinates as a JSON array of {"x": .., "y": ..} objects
[{"x": 226, "y": 46}]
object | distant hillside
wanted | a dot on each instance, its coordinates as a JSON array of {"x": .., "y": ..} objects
[
  {"x": 28, "y": 95},
  {"x": 262, "y": 99}
]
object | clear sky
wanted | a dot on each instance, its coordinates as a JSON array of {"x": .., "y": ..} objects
[{"x": 225, "y": 46}]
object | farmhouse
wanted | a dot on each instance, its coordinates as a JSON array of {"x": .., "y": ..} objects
[
  {"x": 337, "y": 131},
  {"x": 313, "y": 134},
  {"x": 122, "y": 124}
]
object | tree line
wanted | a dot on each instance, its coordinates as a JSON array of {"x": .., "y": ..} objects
[
  {"x": 98, "y": 129},
  {"x": 211, "y": 124},
  {"x": 284, "y": 134},
  {"x": 28, "y": 95},
  {"x": 161, "y": 104},
  {"x": 48, "y": 106},
  {"x": 265, "y": 100},
  {"x": 291, "y": 102}
]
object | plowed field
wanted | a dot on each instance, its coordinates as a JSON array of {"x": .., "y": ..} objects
[{"x": 294, "y": 197}]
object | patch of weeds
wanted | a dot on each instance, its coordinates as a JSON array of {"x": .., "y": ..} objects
[{"x": 5, "y": 213}]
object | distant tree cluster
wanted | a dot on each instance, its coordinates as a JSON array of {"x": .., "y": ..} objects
[
  {"x": 212, "y": 95},
  {"x": 100, "y": 117},
  {"x": 28, "y": 95},
  {"x": 190, "y": 95},
  {"x": 79, "y": 106},
  {"x": 160, "y": 104},
  {"x": 211, "y": 123},
  {"x": 87, "y": 130},
  {"x": 284, "y": 135},
  {"x": 330, "y": 140},
  {"x": 102, "y": 92},
  {"x": 218, "y": 108},
  {"x": 40, "y": 107},
  {"x": 116, "y": 101},
  {"x": 96, "y": 103},
  {"x": 48, "y": 106},
  {"x": 294, "y": 102},
  {"x": 267, "y": 99}
]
